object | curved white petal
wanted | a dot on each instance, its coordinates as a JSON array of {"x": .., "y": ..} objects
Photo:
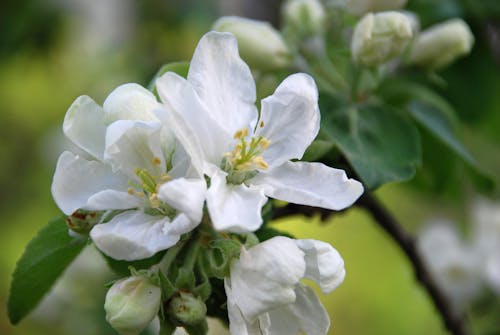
[
  {"x": 202, "y": 137},
  {"x": 312, "y": 184},
  {"x": 265, "y": 276},
  {"x": 133, "y": 235},
  {"x": 237, "y": 324},
  {"x": 324, "y": 264},
  {"x": 306, "y": 316},
  {"x": 111, "y": 199},
  {"x": 135, "y": 144},
  {"x": 130, "y": 102},
  {"x": 185, "y": 195},
  {"x": 289, "y": 119},
  {"x": 76, "y": 180},
  {"x": 234, "y": 208},
  {"x": 223, "y": 81},
  {"x": 84, "y": 126}
]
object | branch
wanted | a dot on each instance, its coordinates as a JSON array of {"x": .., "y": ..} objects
[{"x": 454, "y": 323}]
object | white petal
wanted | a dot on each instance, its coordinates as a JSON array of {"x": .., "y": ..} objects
[
  {"x": 130, "y": 102},
  {"x": 265, "y": 276},
  {"x": 134, "y": 144},
  {"x": 290, "y": 119},
  {"x": 76, "y": 180},
  {"x": 133, "y": 235},
  {"x": 306, "y": 316},
  {"x": 185, "y": 195},
  {"x": 312, "y": 184},
  {"x": 237, "y": 324},
  {"x": 223, "y": 81},
  {"x": 198, "y": 132},
  {"x": 324, "y": 264},
  {"x": 234, "y": 208},
  {"x": 84, "y": 126}
]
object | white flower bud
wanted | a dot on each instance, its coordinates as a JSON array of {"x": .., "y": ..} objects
[
  {"x": 131, "y": 304},
  {"x": 441, "y": 44},
  {"x": 304, "y": 16},
  {"x": 380, "y": 37},
  {"x": 259, "y": 44},
  {"x": 361, "y": 7}
]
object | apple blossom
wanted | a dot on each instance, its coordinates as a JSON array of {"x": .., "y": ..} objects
[
  {"x": 264, "y": 290},
  {"x": 247, "y": 155},
  {"x": 126, "y": 160}
]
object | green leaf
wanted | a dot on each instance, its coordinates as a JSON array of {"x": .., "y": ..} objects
[
  {"x": 181, "y": 68},
  {"x": 438, "y": 122},
  {"x": 378, "y": 141},
  {"x": 43, "y": 261}
]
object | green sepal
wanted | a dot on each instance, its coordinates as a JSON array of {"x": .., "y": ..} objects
[
  {"x": 167, "y": 288},
  {"x": 185, "y": 279},
  {"x": 44, "y": 260},
  {"x": 220, "y": 255}
]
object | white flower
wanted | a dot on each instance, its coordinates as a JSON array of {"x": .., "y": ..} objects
[
  {"x": 265, "y": 294},
  {"x": 127, "y": 160},
  {"x": 247, "y": 156},
  {"x": 454, "y": 265},
  {"x": 486, "y": 234}
]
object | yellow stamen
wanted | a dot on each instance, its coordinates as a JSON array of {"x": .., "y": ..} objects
[
  {"x": 130, "y": 191},
  {"x": 241, "y": 133},
  {"x": 260, "y": 162},
  {"x": 261, "y": 124},
  {"x": 264, "y": 143}
]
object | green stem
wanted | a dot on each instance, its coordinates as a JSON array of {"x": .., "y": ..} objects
[{"x": 170, "y": 256}]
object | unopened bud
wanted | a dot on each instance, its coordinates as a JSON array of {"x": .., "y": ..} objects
[
  {"x": 361, "y": 7},
  {"x": 307, "y": 17},
  {"x": 81, "y": 222},
  {"x": 259, "y": 44},
  {"x": 441, "y": 44},
  {"x": 131, "y": 304},
  {"x": 380, "y": 37},
  {"x": 187, "y": 309}
]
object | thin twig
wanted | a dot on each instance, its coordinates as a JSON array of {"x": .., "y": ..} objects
[{"x": 454, "y": 323}]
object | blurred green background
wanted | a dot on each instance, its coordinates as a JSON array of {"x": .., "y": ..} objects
[{"x": 53, "y": 51}]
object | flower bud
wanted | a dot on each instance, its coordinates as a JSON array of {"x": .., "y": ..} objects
[
  {"x": 380, "y": 37},
  {"x": 441, "y": 44},
  {"x": 361, "y": 7},
  {"x": 307, "y": 17},
  {"x": 259, "y": 44},
  {"x": 131, "y": 304},
  {"x": 187, "y": 309}
]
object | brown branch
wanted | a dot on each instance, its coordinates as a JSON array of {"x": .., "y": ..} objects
[{"x": 454, "y": 323}]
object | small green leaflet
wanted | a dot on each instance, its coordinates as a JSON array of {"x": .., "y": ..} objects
[
  {"x": 43, "y": 261},
  {"x": 379, "y": 142}
]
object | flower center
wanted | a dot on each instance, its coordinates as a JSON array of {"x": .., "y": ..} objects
[
  {"x": 148, "y": 186},
  {"x": 245, "y": 160}
]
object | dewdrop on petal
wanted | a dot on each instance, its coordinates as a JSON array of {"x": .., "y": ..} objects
[
  {"x": 441, "y": 44},
  {"x": 131, "y": 304},
  {"x": 259, "y": 44},
  {"x": 380, "y": 37}
]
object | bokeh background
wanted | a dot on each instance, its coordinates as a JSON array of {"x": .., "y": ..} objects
[{"x": 52, "y": 51}]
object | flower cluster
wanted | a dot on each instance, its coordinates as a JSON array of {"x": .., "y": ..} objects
[
  {"x": 463, "y": 268},
  {"x": 144, "y": 173}
]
